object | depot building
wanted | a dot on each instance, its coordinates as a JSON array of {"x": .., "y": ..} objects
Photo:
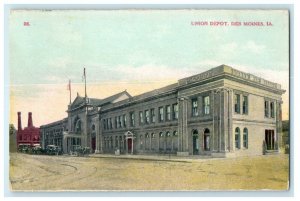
[{"x": 220, "y": 113}]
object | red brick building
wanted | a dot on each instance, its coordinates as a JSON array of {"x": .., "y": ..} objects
[{"x": 30, "y": 134}]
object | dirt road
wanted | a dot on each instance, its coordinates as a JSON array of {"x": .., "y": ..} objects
[{"x": 34, "y": 172}]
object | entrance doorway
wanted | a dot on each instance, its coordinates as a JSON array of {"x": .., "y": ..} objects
[
  {"x": 270, "y": 139},
  {"x": 195, "y": 142},
  {"x": 93, "y": 144},
  {"x": 206, "y": 139},
  {"x": 129, "y": 137},
  {"x": 129, "y": 145}
]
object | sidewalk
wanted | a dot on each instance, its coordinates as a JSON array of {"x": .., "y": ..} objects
[{"x": 160, "y": 157}]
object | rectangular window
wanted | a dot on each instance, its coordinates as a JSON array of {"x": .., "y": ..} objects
[
  {"x": 245, "y": 104},
  {"x": 161, "y": 114},
  {"x": 272, "y": 108},
  {"x": 141, "y": 117},
  {"x": 119, "y": 122},
  {"x": 116, "y": 122},
  {"x": 237, "y": 138},
  {"x": 206, "y": 105},
  {"x": 107, "y": 124},
  {"x": 110, "y": 123},
  {"x": 237, "y": 103},
  {"x": 132, "y": 122},
  {"x": 266, "y": 108},
  {"x": 152, "y": 115},
  {"x": 168, "y": 112},
  {"x": 147, "y": 117},
  {"x": 124, "y": 120},
  {"x": 104, "y": 124},
  {"x": 175, "y": 111},
  {"x": 194, "y": 107}
]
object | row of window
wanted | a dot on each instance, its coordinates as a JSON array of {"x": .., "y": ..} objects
[
  {"x": 166, "y": 141},
  {"x": 237, "y": 104},
  {"x": 206, "y": 106},
  {"x": 237, "y": 138},
  {"x": 269, "y": 109},
  {"x": 167, "y": 113}
]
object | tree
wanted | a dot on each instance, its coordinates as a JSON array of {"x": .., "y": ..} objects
[{"x": 12, "y": 138}]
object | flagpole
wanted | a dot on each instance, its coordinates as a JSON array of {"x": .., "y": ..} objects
[
  {"x": 85, "y": 83},
  {"x": 70, "y": 90}
]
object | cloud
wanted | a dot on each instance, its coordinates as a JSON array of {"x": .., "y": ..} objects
[{"x": 254, "y": 47}]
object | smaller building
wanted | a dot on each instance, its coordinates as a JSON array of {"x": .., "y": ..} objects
[{"x": 30, "y": 135}]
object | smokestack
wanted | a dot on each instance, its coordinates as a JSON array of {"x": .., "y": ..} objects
[
  {"x": 29, "y": 119},
  {"x": 19, "y": 122}
]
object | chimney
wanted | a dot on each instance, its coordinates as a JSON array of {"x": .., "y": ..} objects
[
  {"x": 29, "y": 120},
  {"x": 19, "y": 122}
]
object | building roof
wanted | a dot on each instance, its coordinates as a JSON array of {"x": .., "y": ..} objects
[
  {"x": 80, "y": 101},
  {"x": 110, "y": 99}
]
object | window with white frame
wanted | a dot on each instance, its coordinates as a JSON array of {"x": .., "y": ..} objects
[
  {"x": 237, "y": 138},
  {"x": 245, "y": 138},
  {"x": 206, "y": 105},
  {"x": 194, "y": 107}
]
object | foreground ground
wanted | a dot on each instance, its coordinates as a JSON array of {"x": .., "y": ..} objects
[{"x": 33, "y": 172}]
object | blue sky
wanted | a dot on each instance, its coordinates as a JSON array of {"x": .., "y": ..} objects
[{"x": 140, "y": 46}]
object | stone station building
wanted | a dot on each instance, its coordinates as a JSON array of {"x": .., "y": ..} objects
[{"x": 222, "y": 112}]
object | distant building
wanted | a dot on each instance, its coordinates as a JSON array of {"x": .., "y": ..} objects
[
  {"x": 221, "y": 112},
  {"x": 29, "y": 135}
]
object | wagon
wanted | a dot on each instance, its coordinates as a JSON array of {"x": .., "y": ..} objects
[
  {"x": 77, "y": 150},
  {"x": 24, "y": 148},
  {"x": 53, "y": 150}
]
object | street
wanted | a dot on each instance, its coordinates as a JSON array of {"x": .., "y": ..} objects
[{"x": 44, "y": 173}]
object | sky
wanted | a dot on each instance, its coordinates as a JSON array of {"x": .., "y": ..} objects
[{"x": 133, "y": 50}]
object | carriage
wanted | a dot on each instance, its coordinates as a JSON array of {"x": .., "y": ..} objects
[{"x": 77, "y": 150}]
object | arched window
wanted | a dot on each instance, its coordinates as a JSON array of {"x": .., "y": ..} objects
[
  {"x": 206, "y": 139},
  {"x": 237, "y": 138},
  {"x": 169, "y": 141},
  {"x": 116, "y": 142},
  {"x": 111, "y": 142},
  {"x": 141, "y": 142},
  {"x": 195, "y": 132},
  {"x": 78, "y": 126},
  {"x": 195, "y": 142},
  {"x": 153, "y": 141},
  {"x": 175, "y": 134},
  {"x": 161, "y": 141},
  {"x": 147, "y": 141},
  {"x": 175, "y": 141},
  {"x": 245, "y": 138}
]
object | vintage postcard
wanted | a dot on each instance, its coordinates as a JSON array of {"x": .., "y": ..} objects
[{"x": 149, "y": 100}]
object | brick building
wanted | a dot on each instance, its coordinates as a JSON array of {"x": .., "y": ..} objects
[
  {"x": 221, "y": 112},
  {"x": 30, "y": 135}
]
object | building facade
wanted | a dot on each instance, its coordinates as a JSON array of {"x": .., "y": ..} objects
[
  {"x": 30, "y": 135},
  {"x": 220, "y": 113}
]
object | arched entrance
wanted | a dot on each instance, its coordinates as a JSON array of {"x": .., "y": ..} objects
[
  {"x": 93, "y": 138},
  {"x": 195, "y": 142},
  {"x": 129, "y": 136},
  {"x": 206, "y": 139}
]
